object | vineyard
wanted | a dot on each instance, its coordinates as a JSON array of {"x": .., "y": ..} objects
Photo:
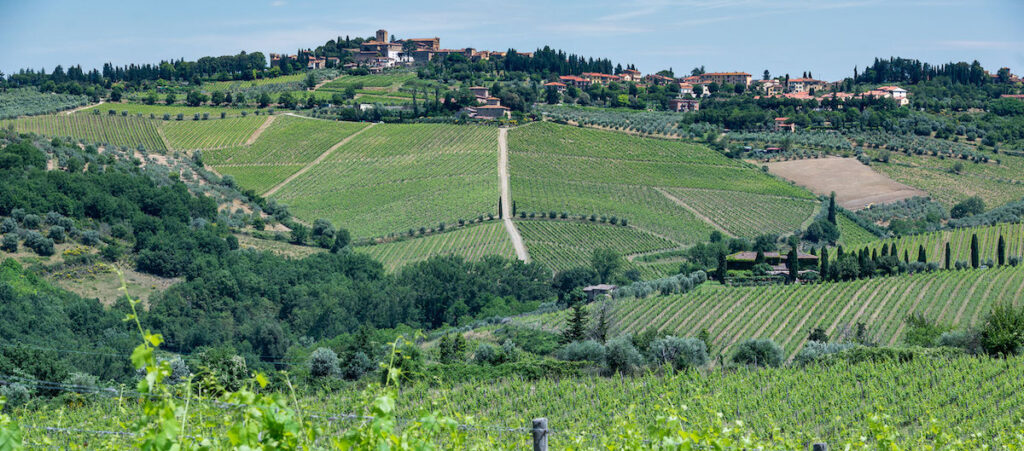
[
  {"x": 960, "y": 243},
  {"x": 158, "y": 110},
  {"x": 785, "y": 313},
  {"x": 30, "y": 102},
  {"x": 392, "y": 79},
  {"x": 471, "y": 242},
  {"x": 748, "y": 214},
  {"x": 562, "y": 245},
  {"x": 660, "y": 123},
  {"x": 191, "y": 135},
  {"x": 584, "y": 171},
  {"x": 396, "y": 178},
  {"x": 288, "y": 144},
  {"x": 783, "y": 408},
  {"x": 852, "y": 235},
  {"x": 995, "y": 184},
  {"x": 113, "y": 130}
]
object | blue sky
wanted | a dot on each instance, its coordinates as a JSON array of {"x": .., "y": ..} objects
[{"x": 826, "y": 37}]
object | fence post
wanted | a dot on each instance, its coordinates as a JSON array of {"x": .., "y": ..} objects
[
  {"x": 819, "y": 447},
  {"x": 540, "y": 434}
]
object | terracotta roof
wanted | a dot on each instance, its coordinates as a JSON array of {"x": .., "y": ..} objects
[
  {"x": 492, "y": 107},
  {"x": 805, "y": 80},
  {"x": 728, "y": 73},
  {"x": 602, "y": 286},
  {"x": 554, "y": 83}
]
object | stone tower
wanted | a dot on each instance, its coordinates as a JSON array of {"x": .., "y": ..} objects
[{"x": 382, "y": 35}]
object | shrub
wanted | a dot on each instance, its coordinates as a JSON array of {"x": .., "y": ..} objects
[
  {"x": 39, "y": 244},
  {"x": 758, "y": 352},
  {"x": 53, "y": 218},
  {"x": 16, "y": 395},
  {"x": 10, "y": 243},
  {"x": 357, "y": 365},
  {"x": 621, "y": 356},
  {"x": 323, "y": 362},
  {"x": 82, "y": 382},
  {"x": 179, "y": 371},
  {"x": 680, "y": 352},
  {"x": 1003, "y": 332},
  {"x": 57, "y": 234},
  {"x": 32, "y": 221},
  {"x": 968, "y": 340},
  {"x": 583, "y": 351},
  {"x": 922, "y": 332},
  {"x": 489, "y": 354},
  {"x": 9, "y": 225},
  {"x": 815, "y": 350}
]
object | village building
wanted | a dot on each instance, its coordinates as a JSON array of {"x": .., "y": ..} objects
[
  {"x": 492, "y": 112},
  {"x": 630, "y": 75},
  {"x": 685, "y": 89},
  {"x": 560, "y": 87},
  {"x": 746, "y": 259},
  {"x": 479, "y": 92},
  {"x": 572, "y": 80},
  {"x": 890, "y": 92},
  {"x": 603, "y": 289},
  {"x": 735, "y": 78},
  {"x": 684, "y": 105},
  {"x": 599, "y": 78},
  {"x": 658, "y": 80},
  {"x": 805, "y": 84},
  {"x": 782, "y": 123}
]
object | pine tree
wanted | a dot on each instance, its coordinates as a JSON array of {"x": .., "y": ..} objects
[
  {"x": 1001, "y": 251},
  {"x": 975, "y": 258},
  {"x": 601, "y": 330},
  {"x": 576, "y": 329},
  {"x": 949, "y": 256}
]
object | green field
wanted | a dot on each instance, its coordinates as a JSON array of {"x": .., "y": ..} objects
[
  {"x": 561, "y": 245},
  {"x": 471, "y": 242},
  {"x": 102, "y": 129},
  {"x": 242, "y": 84},
  {"x": 852, "y": 235},
  {"x": 748, "y": 214},
  {"x": 213, "y": 134},
  {"x": 785, "y": 313},
  {"x": 392, "y": 178},
  {"x": 159, "y": 109},
  {"x": 995, "y": 183},
  {"x": 288, "y": 144},
  {"x": 584, "y": 171},
  {"x": 960, "y": 243},
  {"x": 389, "y": 80}
]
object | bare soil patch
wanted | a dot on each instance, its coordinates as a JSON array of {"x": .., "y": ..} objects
[{"x": 856, "y": 186}]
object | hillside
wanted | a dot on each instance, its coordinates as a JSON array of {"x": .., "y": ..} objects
[
  {"x": 786, "y": 313},
  {"x": 671, "y": 188}
]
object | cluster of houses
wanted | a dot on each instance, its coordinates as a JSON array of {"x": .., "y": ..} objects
[
  {"x": 489, "y": 107},
  {"x": 685, "y": 101}
]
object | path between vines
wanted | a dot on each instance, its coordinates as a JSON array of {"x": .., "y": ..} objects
[
  {"x": 696, "y": 213},
  {"x": 506, "y": 204},
  {"x": 316, "y": 161},
  {"x": 259, "y": 131}
]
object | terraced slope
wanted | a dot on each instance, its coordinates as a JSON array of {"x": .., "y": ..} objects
[
  {"x": 126, "y": 131},
  {"x": 288, "y": 144},
  {"x": 473, "y": 242},
  {"x": 786, "y": 313},
  {"x": 585, "y": 171},
  {"x": 396, "y": 177}
]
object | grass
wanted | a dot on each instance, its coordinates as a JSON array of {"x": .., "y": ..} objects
[
  {"x": 392, "y": 178},
  {"x": 585, "y": 171},
  {"x": 96, "y": 129},
  {"x": 471, "y": 242},
  {"x": 214, "y": 134},
  {"x": 561, "y": 245}
]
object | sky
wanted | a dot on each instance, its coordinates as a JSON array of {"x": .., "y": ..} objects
[{"x": 826, "y": 37}]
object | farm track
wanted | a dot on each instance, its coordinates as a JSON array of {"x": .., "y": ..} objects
[
  {"x": 83, "y": 107},
  {"x": 318, "y": 159},
  {"x": 259, "y": 131},
  {"x": 506, "y": 204},
  {"x": 696, "y": 213}
]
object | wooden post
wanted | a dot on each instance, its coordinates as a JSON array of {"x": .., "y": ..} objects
[
  {"x": 540, "y": 434},
  {"x": 819, "y": 447}
]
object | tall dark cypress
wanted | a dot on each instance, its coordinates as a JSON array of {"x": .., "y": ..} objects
[
  {"x": 824, "y": 263},
  {"x": 921, "y": 256},
  {"x": 832, "y": 208},
  {"x": 1001, "y": 251},
  {"x": 975, "y": 258},
  {"x": 949, "y": 256}
]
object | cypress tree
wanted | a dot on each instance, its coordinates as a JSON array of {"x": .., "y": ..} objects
[
  {"x": 921, "y": 256},
  {"x": 576, "y": 330},
  {"x": 794, "y": 265},
  {"x": 906, "y": 256},
  {"x": 722, "y": 271},
  {"x": 832, "y": 208},
  {"x": 500, "y": 215},
  {"x": 1001, "y": 251},
  {"x": 839, "y": 252},
  {"x": 885, "y": 249},
  {"x": 874, "y": 255},
  {"x": 759, "y": 258},
  {"x": 949, "y": 256},
  {"x": 824, "y": 263},
  {"x": 975, "y": 258}
]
